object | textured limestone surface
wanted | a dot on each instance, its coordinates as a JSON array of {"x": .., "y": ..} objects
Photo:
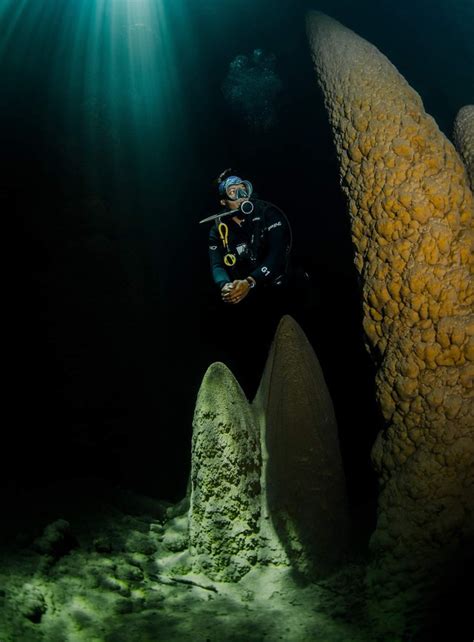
[
  {"x": 302, "y": 477},
  {"x": 225, "y": 479},
  {"x": 411, "y": 212},
  {"x": 464, "y": 138}
]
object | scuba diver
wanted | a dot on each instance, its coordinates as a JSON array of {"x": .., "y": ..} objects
[
  {"x": 249, "y": 250},
  {"x": 249, "y": 243}
]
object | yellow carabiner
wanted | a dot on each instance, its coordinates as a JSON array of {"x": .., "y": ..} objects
[
  {"x": 223, "y": 233},
  {"x": 229, "y": 259}
]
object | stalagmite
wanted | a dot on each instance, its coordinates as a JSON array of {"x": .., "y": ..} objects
[
  {"x": 267, "y": 484},
  {"x": 303, "y": 481},
  {"x": 411, "y": 211},
  {"x": 225, "y": 479},
  {"x": 464, "y": 138}
]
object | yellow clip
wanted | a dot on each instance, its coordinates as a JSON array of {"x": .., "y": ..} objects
[
  {"x": 230, "y": 260},
  {"x": 223, "y": 233}
]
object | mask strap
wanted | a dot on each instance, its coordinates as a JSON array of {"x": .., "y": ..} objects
[{"x": 249, "y": 187}]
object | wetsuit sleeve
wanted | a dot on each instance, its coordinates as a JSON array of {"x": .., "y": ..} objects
[
  {"x": 273, "y": 263},
  {"x": 218, "y": 271}
]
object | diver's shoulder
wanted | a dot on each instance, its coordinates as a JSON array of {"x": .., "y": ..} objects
[
  {"x": 269, "y": 210},
  {"x": 213, "y": 231}
]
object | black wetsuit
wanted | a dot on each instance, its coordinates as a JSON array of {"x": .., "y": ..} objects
[{"x": 261, "y": 245}]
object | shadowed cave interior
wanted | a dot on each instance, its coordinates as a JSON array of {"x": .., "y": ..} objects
[{"x": 120, "y": 521}]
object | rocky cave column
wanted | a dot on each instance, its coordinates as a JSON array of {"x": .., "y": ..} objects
[
  {"x": 225, "y": 479},
  {"x": 303, "y": 486},
  {"x": 464, "y": 138},
  {"x": 411, "y": 212}
]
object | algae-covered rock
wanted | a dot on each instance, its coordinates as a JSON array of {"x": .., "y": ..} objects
[
  {"x": 137, "y": 542},
  {"x": 225, "y": 479},
  {"x": 31, "y": 602},
  {"x": 57, "y": 539},
  {"x": 176, "y": 537},
  {"x": 303, "y": 478}
]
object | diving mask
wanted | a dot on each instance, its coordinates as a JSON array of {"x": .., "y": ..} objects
[
  {"x": 239, "y": 193},
  {"x": 233, "y": 188},
  {"x": 236, "y": 194}
]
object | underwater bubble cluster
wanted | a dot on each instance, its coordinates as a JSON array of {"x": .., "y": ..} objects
[{"x": 251, "y": 88}]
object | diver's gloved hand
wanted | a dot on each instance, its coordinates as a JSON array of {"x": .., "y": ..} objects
[{"x": 236, "y": 291}]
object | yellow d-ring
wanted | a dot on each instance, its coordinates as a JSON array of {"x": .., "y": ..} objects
[{"x": 230, "y": 260}]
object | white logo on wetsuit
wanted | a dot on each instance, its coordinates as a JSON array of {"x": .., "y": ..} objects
[
  {"x": 274, "y": 225},
  {"x": 241, "y": 249},
  {"x": 265, "y": 270},
  {"x": 213, "y": 247}
]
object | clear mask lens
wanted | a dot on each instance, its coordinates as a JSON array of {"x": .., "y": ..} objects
[
  {"x": 235, "y": 194},
  {"x": 241, "y": 192}
]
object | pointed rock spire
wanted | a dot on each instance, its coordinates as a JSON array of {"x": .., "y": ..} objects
[
  {"x": 225, "y": 479},
  {"x": 303, "y": 480}
]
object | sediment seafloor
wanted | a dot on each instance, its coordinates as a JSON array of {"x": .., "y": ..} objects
[{"x": 102, "y": 564}]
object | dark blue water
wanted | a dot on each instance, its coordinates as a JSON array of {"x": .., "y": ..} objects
[{"x": 112, "y": 130}]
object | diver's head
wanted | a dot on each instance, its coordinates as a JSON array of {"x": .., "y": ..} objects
[{"x": 234, "y": 191}]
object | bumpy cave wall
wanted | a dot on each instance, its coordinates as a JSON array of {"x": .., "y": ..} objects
[
  {"x": 464, "y": 138},
  {"x": 411, "y": 212}
]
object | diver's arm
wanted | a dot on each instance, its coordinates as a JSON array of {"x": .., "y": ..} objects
[
  {"x": 218, "y": 271},
  {"x": 274, "y": 262}
]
